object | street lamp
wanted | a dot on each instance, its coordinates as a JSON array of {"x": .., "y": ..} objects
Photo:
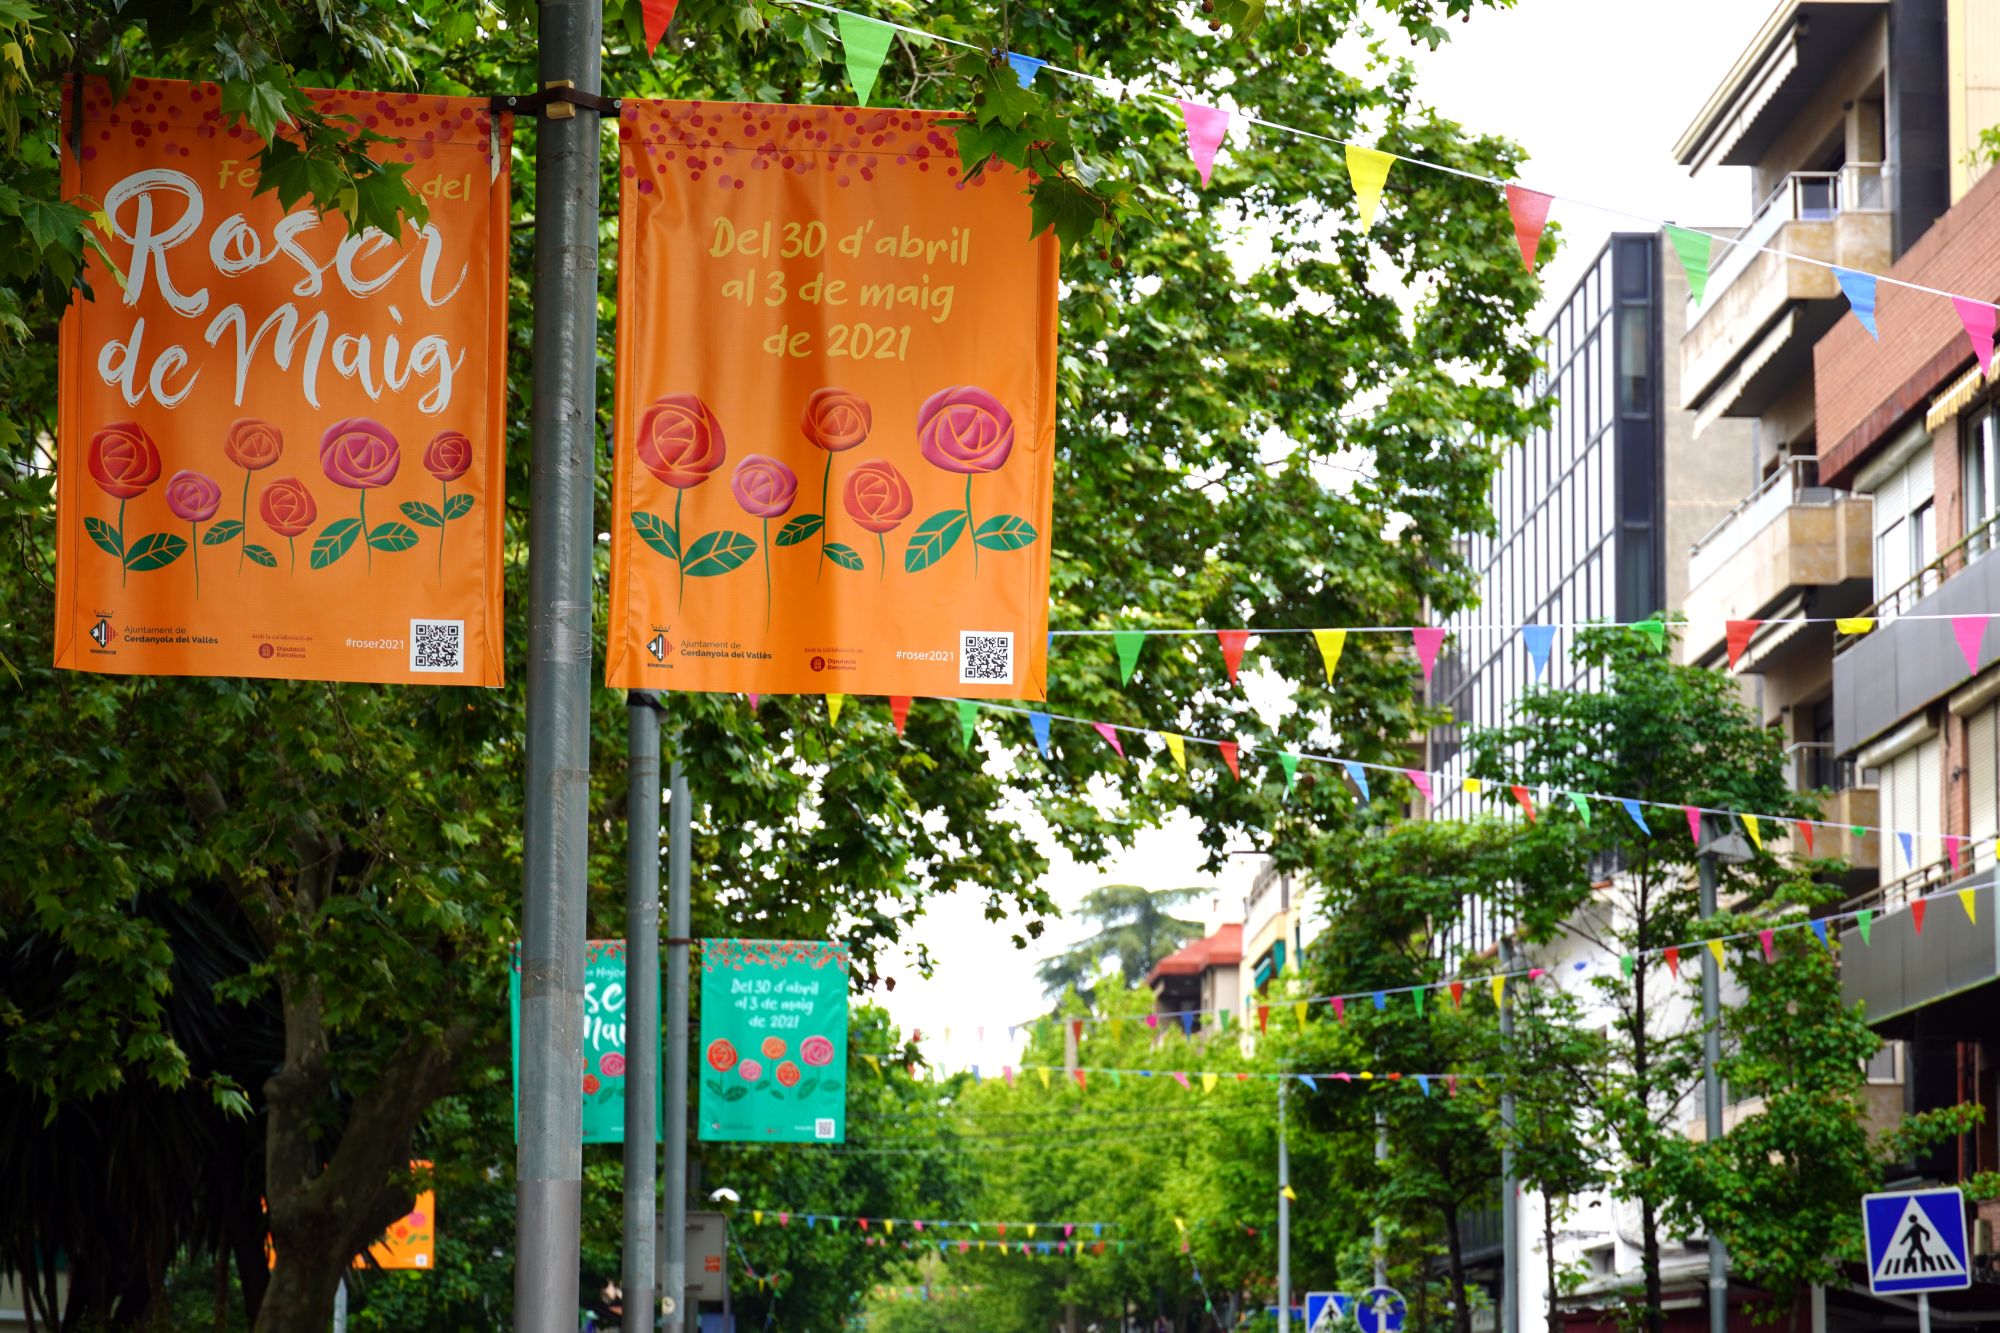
[{"x": 1720, "y": 845}]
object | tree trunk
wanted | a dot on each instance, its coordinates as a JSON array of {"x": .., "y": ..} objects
[
  {"x": 1461, "y": 1309},
  {"x": 1549, "y": 1259},
  {"x": 1649, "y": 1236}
]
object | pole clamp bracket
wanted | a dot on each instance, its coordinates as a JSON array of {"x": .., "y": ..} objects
[{"x": 556, "y": 101}]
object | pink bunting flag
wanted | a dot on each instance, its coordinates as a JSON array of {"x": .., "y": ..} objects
[
  {"x": 1180, "y": 1077},
  {"x": 1764, "y": 938},
  {"x": 1228, "y": 749},
  {"x": 1978, "y": 319},
  {"x": 1428, "y": 640},
  {"x": 1206, "y": 126},
  {"x": 1421, "y": 781},
  {"x": 1530, "y": 211},
  {"x": 657, "y": 16},
  {"x": 1954, "y": 845},
  {"x": 1340, "y": 1008},
  {"x": 784, "y": 1219},
  {"x": 899, "y": 711},
  {"x": 1970, "y": 631},
  {"x": 1537, "y": 973},
  {"x": 1110, "y": 734},
  {"x": 1069, "y": 1229},
  {"x": 755, "y": 699},
  {"x": 1007, "y": 1072},
  {"x": 1153, "y": 1022},
  {"x": 1694, "y": 823},
  {"x": 1233, "y": 642}
]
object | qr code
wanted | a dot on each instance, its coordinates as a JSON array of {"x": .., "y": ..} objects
[
  {"x": 437, "y": 645},
  {"x": 823, "y": 1127},
  {"x": 985, "y": 657}
]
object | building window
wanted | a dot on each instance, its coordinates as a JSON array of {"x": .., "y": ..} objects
[
  {"x": 1905, "y": 533},
  {"x": 1979, "y": 476}
]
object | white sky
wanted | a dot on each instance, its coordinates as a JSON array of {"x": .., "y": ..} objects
[{"x": 1597, "y": 91}]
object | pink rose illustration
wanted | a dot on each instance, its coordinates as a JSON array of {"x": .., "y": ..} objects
[
  {"x": 966, "y": 430},
  {"x": 878, "y": 498},
  {"x": 611, "y": 1064},
  {"x": 194, "y": 497},
  {"x": 123, "y": 461},
  {"x": 816, "y": 1051},
  {"x": 446, "y": 457},
  {"x": 834, "y": 420},
  {"x": 750, "y": 1070},
  {"x": 361, "y": 454},
  {"x": 288, "y": 510},
  {"x": 252, "y": 445},
  {"x": 765, "y": 488}
]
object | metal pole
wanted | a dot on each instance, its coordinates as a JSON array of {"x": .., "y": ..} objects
[
  {"x": 1510, "y": 1190},
  {"x": 1381, "y": 1237},
  {"x": 1284, "y": 1219},
  {"x": 340, "y": 1306},
  {"x": 549, "y": 1167},
  {"x": 642, "y": 1003},
  {"x": 674, "y": 1284},
  {"x": 1923, "y": 1312},
  {"x": 1711, "y": 1083}
]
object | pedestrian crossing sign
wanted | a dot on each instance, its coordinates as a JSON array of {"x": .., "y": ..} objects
[
  {"x": 1916, "y": 1241},
  {"x": 1325, "y": 1310}
]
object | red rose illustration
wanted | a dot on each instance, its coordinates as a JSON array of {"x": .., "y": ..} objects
[
  {"x": 123, "y": 459},
  {"x": 773, "y": 1048},
  {"x": 764, "y": 486},
  {"x": 680, "y": 441},
  {"x": 721, "y": 1056},
  {"x": 448, "y": 455},
  {"x": 878, "y": 497},
  {"x": 252, "y": 444},
  {"x": 965, "y": 429},
  {"x": 788, "y": 1074},
  {"x": 288, "y": 508},
  {"x": 611, "y": 1064},
  {"x": 836, "y": 420},
  {"x": 359, "y": 453},
  {"x": 750, "y": 1071},
  {"x": 816, "y": 1051},
  {"x": 193, "y": 496},
  {"x": 590, "y": 1084}
]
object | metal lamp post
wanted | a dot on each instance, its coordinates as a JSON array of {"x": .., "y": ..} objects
[{"x": 1720, "y": 845}]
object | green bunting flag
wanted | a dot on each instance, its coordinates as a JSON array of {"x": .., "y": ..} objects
[
  {"x": 1864, "y": 921},
  {"x": 1582, "y": 808},
  {"x": 968, "y": 717},
  {"x": 865, "y": 43},
  {"x": 1693, "y": 248},
  {"x": 1290, "y": 763},
  {"x": 1129, "y": 642},
  {"x": 1418, "y": 996},
  {"x": 1626, "y": 963},
  {"x": 1655, "y": 630}
]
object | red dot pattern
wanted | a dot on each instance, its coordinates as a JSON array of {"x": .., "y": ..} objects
[
  {"x": 729, "y": 143},
  {"x": 164, "y": 117}
]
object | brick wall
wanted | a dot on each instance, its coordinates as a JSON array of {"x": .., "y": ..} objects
[{"x": 1863, "y": 389}]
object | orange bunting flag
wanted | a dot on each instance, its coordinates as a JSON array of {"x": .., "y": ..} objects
[
  {"x": 899, "y": 711},
  {"x": 1228, "y": 749},
  {"x": 1527, "y": 802},
  {"x": 1737, "y": 633},
  {"x": 1530, "y": 211},
  {"x": 1079, "y": 1076},
  {"x": 1233, "y": 642}
]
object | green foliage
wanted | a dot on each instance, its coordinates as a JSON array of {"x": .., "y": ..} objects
[{"x": 1134, "y": 927}]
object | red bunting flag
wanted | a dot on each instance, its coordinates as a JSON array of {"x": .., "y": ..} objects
[
  {"x": 657, "y": 16},
  {"x": 1738, "y": 633},
  {"x": 1674, "y": 960},
  {"x": 899, "y": 711},
  {"x": 1457, "y": 994},
  {"x": 1530, "y": 210},
  {"x": 1527, "y": 802},
  {"x": 1081, "y": 1081},
  {"x": 1233, "y": 642},
  {"x": 1917, "y": 906},
  {"x": 1076, "y": 1028},
  {"x": 1805, "y": 831},
  {"x": 1263, "y": 1017},
  {"x": 1228, "y": 749}
]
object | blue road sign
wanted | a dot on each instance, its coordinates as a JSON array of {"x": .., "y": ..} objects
[
  {"x": 1325, "y": 1310},
  {"x": 1380, "y": 1310},
  {"x": 1916, "y": 1242}
]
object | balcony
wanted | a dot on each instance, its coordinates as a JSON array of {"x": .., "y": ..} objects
[
  {"x": 1748, "y": 340},
  {"x": 1845, "y": 808},
  {"x": 1787, "y": 535},
  {"x": 1897, "y": 970},
  {"x": 1911, "y": 658}
]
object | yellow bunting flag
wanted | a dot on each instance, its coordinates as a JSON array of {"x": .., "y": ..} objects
[
  {"x": 1854, "y": 624},
  {"x": 1499, "y": 989},
  {"x": 888, "y": 1226},
  {"x": 1965, "y": 901},
  {"x": 1117, "y": 1028},
  {"x": 1365, "y": 1074},
  {"x": 1750, "y": 827},
  {"x": 1180, "y": 1226},
  {"x": 1715, "y": 948},
  {"x": 1177, "y": 746},
  {"x": 1044, "y": 1075},
  {"x": 1299, "y": 1012},
  {"x": 1287, "y": 1192},
  {"x": 1031, "y": 1231},
  {"x": 757, "y": 1216},
  {"x": 1472, "y": 786},
  {"x": 1208, "y": 1083},
  {"x": 874, "y": 1064},
  {"x": 1368, "y": 168},
  {"x": 1330, "y": 642},
  {"x": 833, "y": 703}
]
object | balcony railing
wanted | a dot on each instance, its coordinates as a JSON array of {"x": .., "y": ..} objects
[
  {"x": 1797, "y": 482},
  {"x": 1814, "y": 766},
  {"x": 1803, "y": 196},
  {"x": 1925, "y": 880},
  {"x": 1904, "y": 597}
]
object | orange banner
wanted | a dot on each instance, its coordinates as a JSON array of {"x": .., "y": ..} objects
[
  {"x": 279, "y": 445},
  {"x": 411, "y": 1241},
  {"x": 835, "y": 425}
]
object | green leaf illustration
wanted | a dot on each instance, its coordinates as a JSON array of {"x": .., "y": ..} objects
[
  {"x": 933, "y": 537},
  {"x": 421, "y": 514},
  {"x": 844, "y": 556},
  {"x": 714, "y": 1085},
  {"x": 458, "y": 506},
  {"x": 718, "y": 553},
  {"x": 737, "y": 1093},
  {"x": 155, "y": 550},
  {"x": 806, "y": 1089},
  {"x": 333, "y": 541},
  {"x": 392, "y": 537},
  {"x": 225, "y": 531},
  {"x": 657, "y": 533},
  {"x": 1005, "y": 532},
  {"x": 260, "y": 556},
  {"x": 105, "y": 536},
  {"x": 796, "y": 531}
]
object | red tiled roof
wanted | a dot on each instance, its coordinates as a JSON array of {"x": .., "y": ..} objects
[{"x": 1223, "y": 948}]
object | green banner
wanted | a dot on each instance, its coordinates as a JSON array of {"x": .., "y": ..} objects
[
  {"x": 603, "y": 1071},
  {"x": 773, "y": 1065}
]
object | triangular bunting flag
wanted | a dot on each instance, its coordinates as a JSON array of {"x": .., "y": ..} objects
[
  {"x": 1424, "y": 1082},
  {"x": 1530, "y": 211},
  {"x": 1693, "y": 248},
  {"x": 1428, "y": 640},
  {"x": 1229, "y": 751},
  {"x": 1499, "y": 989},
  {"x": 1339, "y": 1008},
  {"x": 1953, "y": 849},
  {"x": 1978, "y": 319},
  {"x": 656, "y": 16},
  {"x": 1627, "y": 964},
  {"x": 864, "y": 43},
  {"x": 1208, "y": 1083},
  {"x": 1299, "y": 1012},
  {"x": 1859, "y": 289},
  {"x": 1582, "y": 807},
  {"x": 1854, "y": 624},
  {"x": 1457, "y": 994},
  {"x": 1039, "y": 724},
  {"x": 1715, "y": 950},
  {"x": 968, "y": 717},
  {"x": 1755, "y": 830},
  {"x": 1909, "y": 850},
  {"x": 1917, "y": 909},
  {"x": 1417, "y": 996},
  {"x": 1471, "y": 786},
  {"x": 1819, "y": 929},
  {"x": 833, "y": 706},
  {"x": 1864, "y": 921},
  {"x": 1381, "y": 1001},
  {"x": 1655, "y": 630},
  {"x": 1526, "y": 801},
  {"x": 1357, "y": 775},
  {"x": 1233, "y": 642},
  {"x": 1421, "y": 781},
  {"x": 1206, "y": 127},
  {"x": 1043, "y": 1074},
  {"x": 1263, "y": 1018},
  {"x": 1766, "y": 939},
  {"x": 1180, "y": 1078},
  {"x": 1079, "y": 1075},
  {"x": 1110, "y": 734},
  {"x": 1970, "y": 631},
  {"x": 1128, "y": 642},
  {"x": 1638, "y": 815},
  {"x": 1025, "y": 67},
  {"x": 1674, "y": 960},
  {"x": 899, "y": 711},
  {"x": 1331, "y": 642},
  {"x": 1290, "y": 763},
  {"x": 1539, "y": 639},
  {"x": 1368, "y": 169},
  {"x": 1737, "y": 633},
  {"x": 1177, "y": 747},
  {"x": 1694, "y": 823},
  {"x": 1806, "y": 832},
  {"x": 1965, "y": 901}
]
